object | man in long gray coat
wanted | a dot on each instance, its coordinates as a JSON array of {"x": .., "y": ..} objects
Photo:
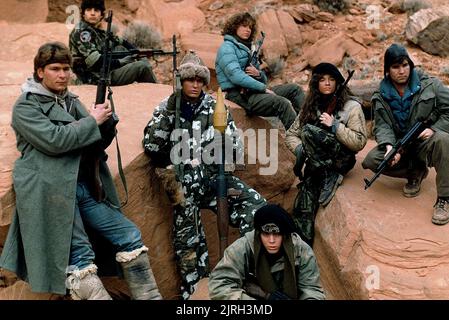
[{"x": 49, "y": 241}]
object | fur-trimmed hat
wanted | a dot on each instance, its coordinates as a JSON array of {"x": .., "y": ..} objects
[
  {"x": 192, "y": 66},
  {"x": 97, "y": 4}
]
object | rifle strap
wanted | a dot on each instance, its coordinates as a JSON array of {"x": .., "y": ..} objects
[{"x": 119, "y": 157}]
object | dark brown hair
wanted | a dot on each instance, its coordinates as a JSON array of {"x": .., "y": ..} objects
[
  {"x": 237, "y": 20},
  {"x": 314, "y": 101},
  {"x": 51, "y": 52}
]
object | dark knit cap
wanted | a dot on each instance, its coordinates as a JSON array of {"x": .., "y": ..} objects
[
  {"x": 396, "y": 53},
  {"x": 273, "y": 219},
  {"x": 97, "y": 4},
  {"x": 328, "y": 68}
]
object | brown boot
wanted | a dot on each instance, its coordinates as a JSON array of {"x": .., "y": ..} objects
[
  {"x": 441, "y": 212},
  {"x": 413, "y": 185}
]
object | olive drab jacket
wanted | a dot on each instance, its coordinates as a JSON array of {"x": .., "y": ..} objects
[
  {"x": 431, "y": 98},
  {"x": 227, "y": 279},
  {"x": 350, "y": 128},
  {"x": 50, "y": 140}
]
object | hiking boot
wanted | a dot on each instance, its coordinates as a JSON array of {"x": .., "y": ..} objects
[
  {"x": 330, "y": 184},
  {"x": 413, "y": 185},
  {"x": 441, "y": 212}
]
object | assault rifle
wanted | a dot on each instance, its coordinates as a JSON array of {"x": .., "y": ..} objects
[
  {"x": 254, "y": 60},
  {"x": 399, "y": 146},
  {"x": 333, "y": 102},
  {"x": 141, "y": 53},
  {"x": 109, "y": 126},
  {"x": 177, "y": 88}
]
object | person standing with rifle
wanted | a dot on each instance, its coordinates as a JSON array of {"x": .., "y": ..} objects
[
  {"x": 245, "y": 83},
  {"x": 86, "y": 44},
  {"x": 60, "y": 235},
  {"x": 196, "y": 168},
  {"x": 405, "y": 98},
  {"x": 326, "y": 136}
]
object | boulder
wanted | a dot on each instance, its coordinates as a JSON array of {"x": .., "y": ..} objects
[
  {"x": 275, "y": 45},
  {"x": 205, "y": 45},
  {"x": 434, "y": 39},
  {"x": 180, "y": 17},
  {"x": 331, "y": 50},
  {"x": 19, "y": 42},
  {"x": 377, "y": 244},
  {"x": 148, "y": 206},
  {"x": 421, "y": 20},
  {"x": 28, "y": 12},
  {"x": 290, "y": 31}
]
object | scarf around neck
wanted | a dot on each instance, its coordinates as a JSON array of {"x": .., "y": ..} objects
[{"x": 263, "y": 269}]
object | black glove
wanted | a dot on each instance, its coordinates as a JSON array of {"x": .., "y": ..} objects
[
  {"x": 278, "y": 295},
  {"x": 255, "y": 291},
  {"x": 300, "y": 159}
]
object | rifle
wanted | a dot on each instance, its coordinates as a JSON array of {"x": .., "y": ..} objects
[
  {"x": 177, "y": 88},
  {"x": 399, "y": 146},
  {"x": 221, "y": 186},
  {"x": 109, "y": 125},
  {"x": 333, "y": 102},
  {"x": 254, "y": 60},
  {"x": 142, "y": 53}
]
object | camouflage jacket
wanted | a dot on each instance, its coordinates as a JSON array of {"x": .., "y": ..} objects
[
  {"x": 350, "y": 128},
  {"x": 200, "y": 137},
  {"x": 227, "y": 279},
  {"x": 86, "y": 44}
]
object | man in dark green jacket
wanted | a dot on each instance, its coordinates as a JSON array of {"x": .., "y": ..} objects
[
  {"x": 50, "y": 242},
  {"x": 86, "y": 43},
  {"x": 405, "y": 97}
]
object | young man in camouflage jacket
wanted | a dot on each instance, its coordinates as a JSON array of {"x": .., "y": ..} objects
[
  {"x": 86, "y": 44},
  {"x": 198, "y": 176}
]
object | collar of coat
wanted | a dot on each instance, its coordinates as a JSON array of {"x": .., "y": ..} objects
[{"x": 389, "y": 92}]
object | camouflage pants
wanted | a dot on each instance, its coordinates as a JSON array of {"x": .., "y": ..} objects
[
  {"x": 190, "y": 240},
  {"x": 324, "y": 152}
]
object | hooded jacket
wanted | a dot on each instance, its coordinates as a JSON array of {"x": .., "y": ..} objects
[
  {"x": 50, "y": 140},
  {"x": 431, "y": 96},
  {"x": 228, "y": 277}
]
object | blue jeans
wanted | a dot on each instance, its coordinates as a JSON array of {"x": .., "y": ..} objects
[{"x": 109, "y": 222}]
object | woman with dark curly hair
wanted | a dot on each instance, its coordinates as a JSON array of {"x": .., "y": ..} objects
[
  {"x": 326, "y": 142},
  {"x": 245, "y": 83}
]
